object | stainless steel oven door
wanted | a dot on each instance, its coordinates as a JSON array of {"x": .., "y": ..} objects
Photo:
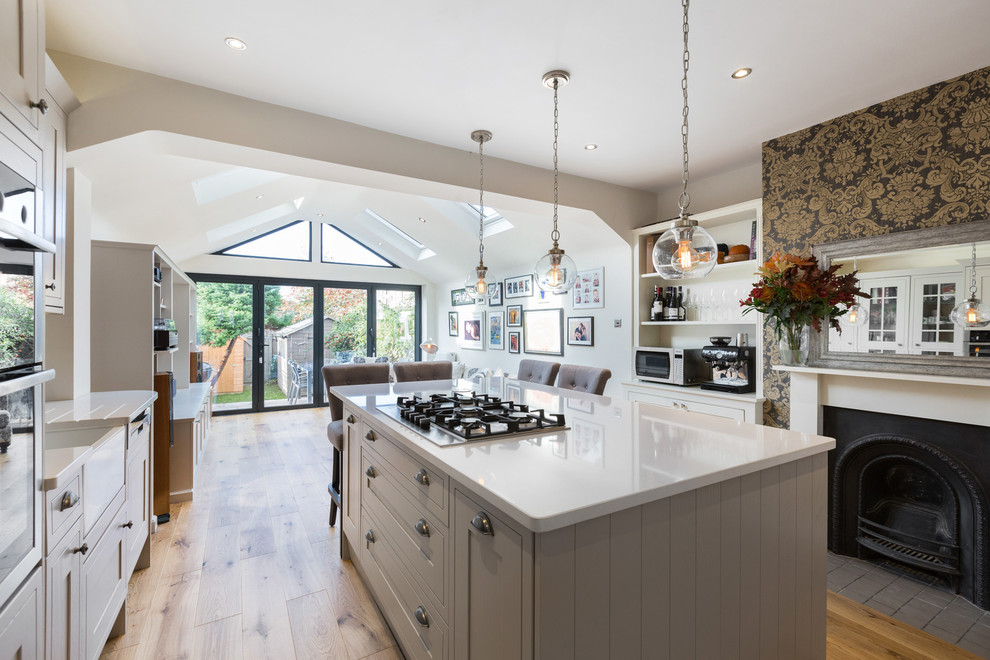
[{"x": 21, "y": 478}]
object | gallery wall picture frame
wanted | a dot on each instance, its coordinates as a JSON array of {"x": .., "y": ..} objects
[
  {"x": 514, "y": 340},
  {"x": 580, "y": 330},
  {"x": 589, "y": 290},
  {"x": 495, "y": 297},
  {"x": 496, "y": 331},
  {"x": 459, "y": 297},
  {"x": 471, "y": 333},
  {"x": 514, "y": 316},
  {"x": 543, "y": 331},
  {"x": 452, "y": 324},
  {"x": 519, "y": 287}
]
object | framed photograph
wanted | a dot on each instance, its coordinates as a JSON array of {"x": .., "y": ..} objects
[
  {"x": 543, "y": 331},
  {"x": 514, "y": 341},
  {"x": 460, "y": 297},
  {"x": 496, "y": 331},
  {"x": 495, "y": 296},
  {"x": 589, "y": 290},
  {"x": 580, "y": 330},
  {"x": 472, "y": 331},
  {"x": 515, "y": 316},
  {"x": 452, "y": 324},
  {"x": 519, "y": 287}
]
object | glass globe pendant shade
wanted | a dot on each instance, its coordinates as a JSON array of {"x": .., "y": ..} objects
[
  {"x": 971, "y": 314},
  {"x": 685, "y": 251},
  {"x": 555, "y": 272},
  {"x": 855, "y": 316},
  {"x": 477, "y": 285}
]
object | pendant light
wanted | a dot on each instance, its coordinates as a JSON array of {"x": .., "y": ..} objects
[
  {"x": 476, "y": 283},
  {"x": 685, "y": 251},
  {"x": 555, "y": 271},
  {"x": 856, "y": 314},
  {"x": 971, "y": 313}
]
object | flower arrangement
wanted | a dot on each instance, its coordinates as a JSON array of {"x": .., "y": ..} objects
[{"x": 796, "y": 293}]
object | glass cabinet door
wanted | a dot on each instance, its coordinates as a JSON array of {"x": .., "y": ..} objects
[
  {"x": 932, "y": 299},
  {"x": 885, "y": 330}
]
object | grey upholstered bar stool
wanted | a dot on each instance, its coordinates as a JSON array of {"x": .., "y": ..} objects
[
  {"x": 333, "y": 376},
  {"x": 538, "y": 371},
  {"x": 583, "y": 379},
  {"x": 413, "y": 371}
]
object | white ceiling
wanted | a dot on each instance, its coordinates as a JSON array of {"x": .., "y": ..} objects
[{"x": 435, "y": 71}]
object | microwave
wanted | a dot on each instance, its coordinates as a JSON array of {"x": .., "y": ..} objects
[{"x": 672, "y": 366}]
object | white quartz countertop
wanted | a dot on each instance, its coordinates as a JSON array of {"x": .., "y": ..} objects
[
  {"x": 614, "y": 454},
  {"x": 98, "y": 409},
  {"x": 66, "y": 449},
  {"x": 189, "y": 401}
]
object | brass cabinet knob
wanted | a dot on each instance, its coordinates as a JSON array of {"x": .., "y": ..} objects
[
  {"x": 370, "y": 435},
  {"x": 69, "y": 500},
  {"x": 83, "y": 549},
  {"x": 422, "y": 478},
  {"x": 482, "y": 523},
  {"x": 370, "y": 536},
  {"x": 422, "y": 528},
  {"x": 421, "y": 617},
  {"x": 351, "y": 419},
  {"x": 41, "y": 105},
  {"x": 371, "y": 472},
  {"x": 128, "y": 524}
]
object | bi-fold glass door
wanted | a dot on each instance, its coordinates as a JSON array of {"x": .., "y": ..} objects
[{"x": 263, "y": 346}]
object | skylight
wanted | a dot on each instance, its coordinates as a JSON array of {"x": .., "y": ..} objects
[
  {"x": 339, "y": 248},
  {"x": 406, "y": 237},
  {"x": 291, "y": 242},
  {"x": 491, "y": 215}
]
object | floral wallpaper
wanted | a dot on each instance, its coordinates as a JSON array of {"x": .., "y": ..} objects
[{"x": 919, "y": 160}]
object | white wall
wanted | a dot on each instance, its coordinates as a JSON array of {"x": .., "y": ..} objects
[{"x": 613, "y": 346}]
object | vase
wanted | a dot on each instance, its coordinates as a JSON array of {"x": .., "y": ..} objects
[{"x": 794, "y": 341}]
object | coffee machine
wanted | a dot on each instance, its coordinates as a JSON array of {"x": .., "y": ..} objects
[{"x": 733, "y": 367}]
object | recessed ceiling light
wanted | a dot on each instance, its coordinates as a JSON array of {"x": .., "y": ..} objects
[
  {"x": 422, "y": 219},
  {"x": 235, "y": 43},
  {"x": 379, "y": 242},
  {"x": 590, "y": 146},
  {"x": 258, "y": 196},
  {"x": 319, "y": 215},
  {"x": 741, "y": 73}
]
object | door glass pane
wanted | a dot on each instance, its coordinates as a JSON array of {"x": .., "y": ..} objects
[
  {"x": 345, "y": 324},
  {"x": 18, "y": 430},
  {"x": 223, "y": 317},
  {"x": 288, "y": 349},
  {"x": 395, "y": 334}
]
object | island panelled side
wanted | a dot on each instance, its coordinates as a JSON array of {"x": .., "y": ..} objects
[{"x": 735, "y": 568}]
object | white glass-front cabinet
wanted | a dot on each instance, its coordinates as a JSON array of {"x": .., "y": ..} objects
[{"x": 932, "y": 300}]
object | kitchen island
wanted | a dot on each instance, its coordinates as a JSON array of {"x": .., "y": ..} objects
[{"x": 634, "y": 532}]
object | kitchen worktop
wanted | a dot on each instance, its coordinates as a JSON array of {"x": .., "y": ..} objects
[
  {"x": 98, "y": 409},
  {"x": 613, "y": 455},
  {"x": 66, "y": 449}
]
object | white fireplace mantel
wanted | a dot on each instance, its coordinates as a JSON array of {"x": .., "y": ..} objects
[{"x": 963, "y": 400}]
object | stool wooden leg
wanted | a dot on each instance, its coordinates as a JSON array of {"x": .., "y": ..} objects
[{"x": 334, "y": 488}]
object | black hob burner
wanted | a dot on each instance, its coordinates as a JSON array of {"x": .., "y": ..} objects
[{"x": 474, "y": 416}]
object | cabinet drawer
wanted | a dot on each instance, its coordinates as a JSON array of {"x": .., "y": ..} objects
[
  {"x": 425, "y": 552},
  {"x": 399, "y": 598},
  {"x": 690, "y": 405},
  {"x": 427, "y": 487},
  {"x": 64, "y": 507},
  {"x": 139, "y": 432},
  {"x": 103, "y": 485}
]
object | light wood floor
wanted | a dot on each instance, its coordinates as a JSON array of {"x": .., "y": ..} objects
[{"x": 250, "y": 569}]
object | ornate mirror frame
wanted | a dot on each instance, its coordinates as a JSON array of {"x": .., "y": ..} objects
[{"x": 961, "y": 366}]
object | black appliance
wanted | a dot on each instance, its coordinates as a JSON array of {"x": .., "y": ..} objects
[
  {"x": 978, "y": 343},
  {"x": 733, "y": 367},
  {"x": 166, "y": 336},
  {"x": 467, "y": 417}
]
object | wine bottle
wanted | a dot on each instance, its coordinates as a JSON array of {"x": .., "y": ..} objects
[
  {"x": 656, "y": 311},
  {"x": 681, "y": 310},
  {"x": 670, "y": 312}
]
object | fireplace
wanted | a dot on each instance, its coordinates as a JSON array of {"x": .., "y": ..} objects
[{"x": 911, "y": 493}]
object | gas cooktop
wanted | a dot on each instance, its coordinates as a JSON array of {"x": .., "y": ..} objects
[{"x": 469, "y": 417}]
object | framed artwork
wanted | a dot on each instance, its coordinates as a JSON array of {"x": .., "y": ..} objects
[
  {"x": 589, "y": 290},
  {"x": 495, "y": 296},
  {"x": 515, "y": 316},
  {"x": 452, "y": 324},
  {"x": 580, "y": 330},
  {"x": 514, "y": 342},
  {"x": 543, "y": 331},
  {"x": 460, "y": 297},
  {"x": 496, "y": 331},
  {"x": 519, "y": 287},
  {"x": 472, "y": 333}
]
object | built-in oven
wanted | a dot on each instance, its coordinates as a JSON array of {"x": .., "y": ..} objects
[{"x": 21, "y": 379}]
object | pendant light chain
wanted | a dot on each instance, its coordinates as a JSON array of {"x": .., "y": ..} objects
[
  {"x": 481, "y": 204},
  {"x": 555, "y": 235},
  {"x": 972, "y": 273},
  {"x": 685, "y": 199}
]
